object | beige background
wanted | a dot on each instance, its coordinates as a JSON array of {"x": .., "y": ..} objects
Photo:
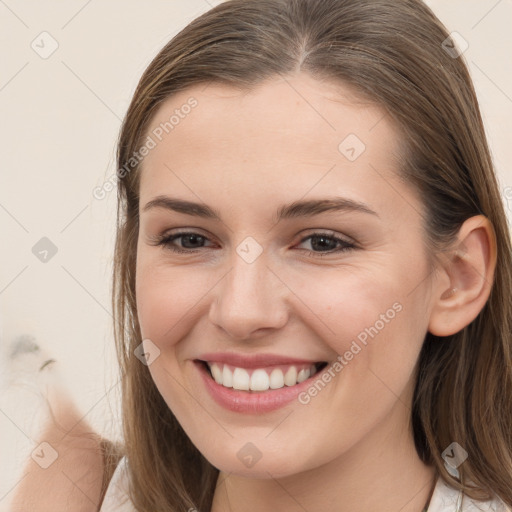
[{"x": 60, "y": 119}]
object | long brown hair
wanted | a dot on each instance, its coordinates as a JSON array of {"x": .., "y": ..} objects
[{"x": 396, "y": 53}]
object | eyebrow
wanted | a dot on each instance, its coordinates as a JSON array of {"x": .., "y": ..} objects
[{"x": 307, "y": 208}]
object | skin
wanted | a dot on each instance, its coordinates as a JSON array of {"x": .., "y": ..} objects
[
  {"x": 73, "y": 482},
  {"x": 245, "y": 154}
]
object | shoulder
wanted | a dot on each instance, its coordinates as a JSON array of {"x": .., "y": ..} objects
[
  {"x": 117, "y": 498},
  {"x": 448, "y": 499}
]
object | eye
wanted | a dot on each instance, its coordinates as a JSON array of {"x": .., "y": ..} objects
[
  {"x": 190, "y": 240},
  {"x": 326, "y": 243}
]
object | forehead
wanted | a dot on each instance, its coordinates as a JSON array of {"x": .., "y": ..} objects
[{"x": 295, "y": 133}]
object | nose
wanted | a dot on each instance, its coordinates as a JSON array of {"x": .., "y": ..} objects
[{"x": 250, "y": 300}]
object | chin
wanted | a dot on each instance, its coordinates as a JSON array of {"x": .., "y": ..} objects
[
  {"x": 261, "y": 470},
  {"x": 258, "y": 460}
]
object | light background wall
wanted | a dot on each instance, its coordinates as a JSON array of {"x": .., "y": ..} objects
[{"x": 60, "y": 117}]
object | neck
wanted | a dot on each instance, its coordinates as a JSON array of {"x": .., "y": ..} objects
[{"x": 382, "y": 472}]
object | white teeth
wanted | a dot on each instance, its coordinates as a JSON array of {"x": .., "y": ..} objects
[
  {"x": 216, "y": 373},
  {"x": 290, "y": 379},
  {"x": 241, "y": 379},
  {"x": 276, "y": 379},
  {"x": 227, "y": 378},
  {"x": 259, "y": 380},
  {"x": 303, "y": 375}
]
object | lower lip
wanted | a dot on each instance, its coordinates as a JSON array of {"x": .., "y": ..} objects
[{"x": 251, "y": 402}]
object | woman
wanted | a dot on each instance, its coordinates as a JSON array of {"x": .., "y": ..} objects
[{"x": 312, "y": 269}]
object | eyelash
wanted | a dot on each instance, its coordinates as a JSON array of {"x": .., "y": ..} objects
[{"x": 166, "y": 241}]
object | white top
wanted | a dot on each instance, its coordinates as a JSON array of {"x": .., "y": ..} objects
[
  {"x": 116, "y": 498},
  {"x": 444, "y": 498}
]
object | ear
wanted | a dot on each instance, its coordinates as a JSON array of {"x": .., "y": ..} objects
[{"x": 465, "y": 278}]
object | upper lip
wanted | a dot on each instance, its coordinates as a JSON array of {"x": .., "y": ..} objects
[{"x": 253, "y": 360}]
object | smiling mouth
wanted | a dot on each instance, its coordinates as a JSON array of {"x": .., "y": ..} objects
[{"x": 261, "y": 379}]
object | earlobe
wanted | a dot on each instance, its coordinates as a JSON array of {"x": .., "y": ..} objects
[{"x": 469, "y": 268}]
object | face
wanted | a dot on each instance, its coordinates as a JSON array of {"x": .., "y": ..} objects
[{"x": 282, "y": 282}]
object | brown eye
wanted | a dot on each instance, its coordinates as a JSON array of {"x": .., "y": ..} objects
[
  {"x": 324, "y": 243},
  {"x": 190, "y": 242}
]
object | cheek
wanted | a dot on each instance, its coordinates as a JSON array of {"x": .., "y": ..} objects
[
  {"x": 165, "y": 298},
  {"x": 373, "y": 322},
  {"x": 349, "y": 300}
]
